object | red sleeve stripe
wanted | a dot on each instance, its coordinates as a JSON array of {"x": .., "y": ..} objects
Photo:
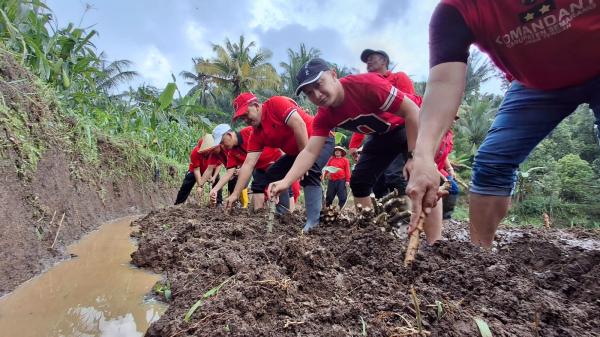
[
  {"x": 287, "y": 118},
  {"x": 388, "y": 102}
]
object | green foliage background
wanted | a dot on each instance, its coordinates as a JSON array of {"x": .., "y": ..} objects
[{"x": 159, "y": 126}]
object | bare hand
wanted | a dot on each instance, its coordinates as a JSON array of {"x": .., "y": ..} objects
[
  {"x": 423, "y": 187},
  {"x": 347, "y": 184},
  {"x": 275, "y": 189},
  {"x": 230, "y": 201},
  {"x": 213, "y": 196}
]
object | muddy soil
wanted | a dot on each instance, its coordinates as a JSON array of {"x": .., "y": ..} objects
[
  {"x": 33, "y": 202},
  {"x": 344, "y": 280}
]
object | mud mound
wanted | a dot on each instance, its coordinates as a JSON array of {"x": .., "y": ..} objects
[{"x": 348, "y": 281}]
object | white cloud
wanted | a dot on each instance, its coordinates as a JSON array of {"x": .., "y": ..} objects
[
  {"x": 154, "y": 66},
  {"x": 196, "y": 37}
]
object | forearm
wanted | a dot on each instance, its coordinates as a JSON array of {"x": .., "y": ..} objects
[
  {"x": 197, "y": 175},
  {"x": 225, "y": 179},
  {"x": 305, "y": 159},
  {"x": 216, "y": 171},
  {"x": 243, "y": 177},
  {"x": 412, "y": 126},
  {"x": 445, "y": 87},
  {"x": 206, "y": 175}
]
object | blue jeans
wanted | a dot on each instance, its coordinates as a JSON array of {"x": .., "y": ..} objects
[{"x": 524, "y": 119}]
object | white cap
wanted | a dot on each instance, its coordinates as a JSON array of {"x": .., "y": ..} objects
[{"x": 219, "y": 131}]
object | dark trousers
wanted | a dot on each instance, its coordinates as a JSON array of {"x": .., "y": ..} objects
[
  {"x": 186, "y": 187},
  {"x": 336, "y": 188},
  {"x": 392, "y": 178},
  {"x": 231, "y": 184},
  {"x": 378, "y": 154}
]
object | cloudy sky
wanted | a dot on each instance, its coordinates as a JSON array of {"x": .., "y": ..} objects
[{"x": 161, "y": 37}]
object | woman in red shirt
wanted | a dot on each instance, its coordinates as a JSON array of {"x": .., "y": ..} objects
[{"x": 339, "y": 180}]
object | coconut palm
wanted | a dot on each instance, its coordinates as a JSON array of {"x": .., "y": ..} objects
[
  {"x": 479, "y": 70},
  {"x": 237, "y": 68},
  {"x": 114, "y": 73},
  {"x": 296, "y": 59}
]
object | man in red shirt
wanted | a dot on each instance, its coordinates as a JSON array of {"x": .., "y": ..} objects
[
  {"x": 236, "y": 144},
  {"x": 550, "y": 50},
  {"x": 378, "y": 62},
  {"x": 365, "y": 103},
  {"x": 200, "y": 170},
  {"x": 340, "y": 180},
  {"x": 280, "y": 123}
]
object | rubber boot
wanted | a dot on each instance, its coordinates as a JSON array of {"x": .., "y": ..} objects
[
  {"x": 284, "y": 203},
  {"x": 313, "y": 201}
]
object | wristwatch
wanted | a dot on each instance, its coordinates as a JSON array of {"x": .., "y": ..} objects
[{"x": 411, "y": 154}]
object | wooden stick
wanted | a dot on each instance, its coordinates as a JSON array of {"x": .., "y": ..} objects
[
  {"x": 415, "y": 238},
  {"x": 58, "y": 230}
]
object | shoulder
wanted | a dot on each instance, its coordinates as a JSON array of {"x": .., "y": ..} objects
[{"x": 362, "y": 79}]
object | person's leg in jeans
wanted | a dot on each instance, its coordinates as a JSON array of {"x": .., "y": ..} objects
[
  {"x": 313, "y": 192},
  {"x": 186, "y": 187},
  {"x": 524, "y": 118}
]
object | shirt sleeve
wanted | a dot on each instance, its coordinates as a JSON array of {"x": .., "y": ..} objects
[
  {"x": 256, "y": 143},
  {"x": 321, "y": 125},
  {"x": 282, "y": 107},
  {"x": 384, "y": 95},
  {"x": 356, "y": 140},
  {"x": 404, "y": 83},
  {"x": 194, "y": 158},
  {"x": 449, "y": 36}
]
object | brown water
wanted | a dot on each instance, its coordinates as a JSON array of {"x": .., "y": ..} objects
[{"x": 95, "y": 294}]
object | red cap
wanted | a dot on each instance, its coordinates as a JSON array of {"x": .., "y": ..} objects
[{"x": 240, "y": 104}]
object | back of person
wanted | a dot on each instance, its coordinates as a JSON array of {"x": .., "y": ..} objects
[
  {"x": 273, "y": 131},
  {"x": 527, "y": 38}
]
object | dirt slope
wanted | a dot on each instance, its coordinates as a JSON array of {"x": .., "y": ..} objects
[{"x": 43, "y": 176}]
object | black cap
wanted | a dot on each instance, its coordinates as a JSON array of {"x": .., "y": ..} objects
[
  {"x": 310, "y": 72},
  {"x": 367, "y": 52}
]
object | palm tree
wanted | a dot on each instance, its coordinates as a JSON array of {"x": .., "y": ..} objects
[
  {"x": 114, "y": 73},
  {"x": 476, "y": 119},
  {"x": 479, "y": 70},
  {"x": 200, "y": 83},
  {"x": 296, "y": 59},
  {"x": 236, "y": 68}
]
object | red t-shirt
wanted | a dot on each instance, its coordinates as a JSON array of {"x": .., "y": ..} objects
[
  {"x": 401, "y": 81},
  {"x": 443, "y": 152},
  {"x": 369, "y": 106},
  {"x": 202, "y": 160},
  {"x": 545, "y": 45},
  {"x": 356, "y": 140},
  {"x": 343, "y": 164},
  {"x": 273, "y": 130},
  {"x": 237, "y": 155}
]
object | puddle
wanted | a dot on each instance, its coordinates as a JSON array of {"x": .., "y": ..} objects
[{"x": 95, "y": 294}]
